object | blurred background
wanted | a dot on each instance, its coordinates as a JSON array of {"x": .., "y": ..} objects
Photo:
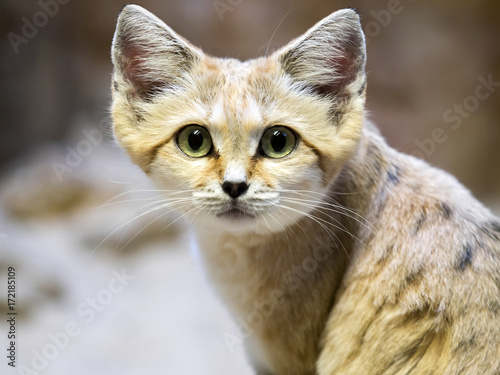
[{"x": 74, "y": 210}]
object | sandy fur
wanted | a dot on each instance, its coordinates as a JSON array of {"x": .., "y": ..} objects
[{"x": 360, "y": 260}]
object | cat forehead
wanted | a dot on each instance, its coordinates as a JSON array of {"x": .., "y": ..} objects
[
  {"x": 233, "y": 111},
  {"x": 239, "y": 91}
]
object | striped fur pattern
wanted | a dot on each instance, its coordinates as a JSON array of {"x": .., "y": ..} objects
[{"x": 349, "y": 257}]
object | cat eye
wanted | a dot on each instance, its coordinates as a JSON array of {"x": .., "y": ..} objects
[
  {"x": 277, "y": 142},
  {"x": 194, "y": 141}
]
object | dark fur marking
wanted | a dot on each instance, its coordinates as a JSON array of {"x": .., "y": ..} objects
[
  {"x": 411, "y": 280},
  {"x": 466, "y": 257},
  {"x": 355, "y": 10},
  {"x": 414, "y": 277},
  {"x": 362, "y": 88},
  {"x": 494, "y": 307},
  {"x": 372, "y": 149},
  {"x": 446, "y": 210},
  {"x": 491, "y": 228},
  {"x": 323, "y": 91},
  {"x": 335, "y": 115},
  {"x": 420, "y": 222},
  {"x": 154, "y": 151},
  {"x": 412, "y": 350},
  {"x": 414, "y": 366},
  {"x": 138, "y": 116},
  {"x": 415, "y": 350},
  {"x": 495, "y": 225},
  {"x": 495, "y": 230},
  {"x": 497, "y": 282},
  {"x": 181, "y": 51},
  {"x": 393, "y": 176},
  {"x": 408, "y": 353},
  {"x": 465, "y": 345},
  {"x": 377, "y": 313},
  {"x": 151, "y": 90},
  {"x": 322, "y": 163}
]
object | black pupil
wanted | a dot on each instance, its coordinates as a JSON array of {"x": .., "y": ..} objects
[
  {"x": 278, "y": 141},
  {"x": 195, "y": 140}
]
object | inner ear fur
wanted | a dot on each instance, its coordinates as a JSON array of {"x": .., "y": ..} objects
[
  {"x": 147, "y": 54},
  {"x": 329, "y": 57}
]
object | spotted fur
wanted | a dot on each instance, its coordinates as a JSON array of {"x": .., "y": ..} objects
[{"x": 351, "y": 258}]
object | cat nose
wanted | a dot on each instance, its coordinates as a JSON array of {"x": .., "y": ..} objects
[{"x": 234, "y": 189}]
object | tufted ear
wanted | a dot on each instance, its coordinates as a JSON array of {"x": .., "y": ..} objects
[
  {"x": 147, "y": 55},
  {"x": 330, "y": 57}
]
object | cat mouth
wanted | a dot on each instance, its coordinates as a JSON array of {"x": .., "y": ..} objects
[{"x": 235, "y": 213}]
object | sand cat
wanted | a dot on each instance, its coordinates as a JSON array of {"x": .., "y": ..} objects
[{"x": 335, "y": 253}]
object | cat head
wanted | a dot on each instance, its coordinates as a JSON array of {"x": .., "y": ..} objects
[{"x": 238, "y": 145}]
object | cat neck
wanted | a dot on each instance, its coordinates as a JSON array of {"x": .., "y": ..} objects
[{"x": 366, "y": 179}]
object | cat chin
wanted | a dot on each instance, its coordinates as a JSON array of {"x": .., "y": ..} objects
[
  {"x": 241, "y": 223},
  {"x": 235, "y": 214},
  {"x": 231, "y": 222}
]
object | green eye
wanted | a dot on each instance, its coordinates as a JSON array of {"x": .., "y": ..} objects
[
  {"x": 194, "y": 141},
  {"x": 278, "y": 142}
]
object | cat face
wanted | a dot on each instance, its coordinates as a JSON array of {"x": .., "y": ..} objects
[{"x": 239, "y": 145}]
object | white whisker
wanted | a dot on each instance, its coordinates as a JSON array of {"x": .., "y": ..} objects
[
  {"x": 160, "y": 206},
  {"x": 145, "y": 226},
  {"x": 318, "y": 220},
  {"x": 337, "y": 209},
  {"x": 352, "y": 214}
]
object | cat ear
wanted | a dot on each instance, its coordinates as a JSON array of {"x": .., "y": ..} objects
[
  {"x": 148, "y": 55},
  {"x": 330, "y": 57}
]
